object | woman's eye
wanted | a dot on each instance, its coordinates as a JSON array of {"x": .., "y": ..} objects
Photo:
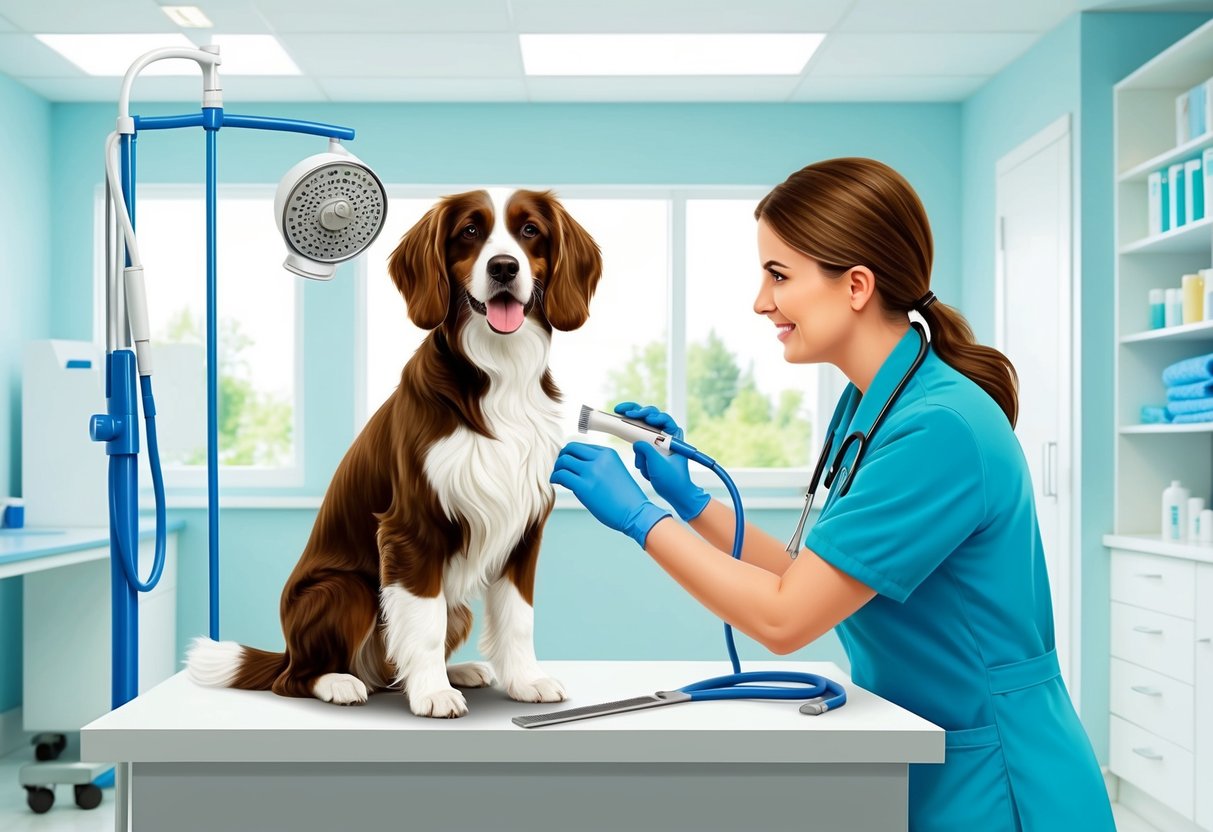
[
  {"x": 776, "y": 276},
  {"x": 470, "y": 231},
  {"x": 530, "y": 230}
]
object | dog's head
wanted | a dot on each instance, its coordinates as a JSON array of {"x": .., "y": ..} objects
[{"x": 505, "y": 253}]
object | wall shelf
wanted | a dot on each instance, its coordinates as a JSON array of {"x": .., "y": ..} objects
[
  {"x": 1199, "y": 331},
  {"x": 1197, "y": 427},
  {"x": 1187, "y": 150},
  {"x": 1187, "y": 239}
]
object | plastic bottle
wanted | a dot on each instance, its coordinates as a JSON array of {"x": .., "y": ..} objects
[
  {"x": 1196, "y": 505},
  {"x": 1174, "y": 512}
]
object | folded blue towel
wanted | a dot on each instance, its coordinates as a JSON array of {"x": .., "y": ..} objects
[
  {"x": 1183, "y": 392},
  {"x": 1189, "y": 418},
  {"x": 1151, "y": 415},
  {"x": 1189, "y": 406},
  {"x": 1189, "y": 371}
]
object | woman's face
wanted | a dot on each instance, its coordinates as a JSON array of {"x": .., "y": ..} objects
[{"x": 810, "y": 309}]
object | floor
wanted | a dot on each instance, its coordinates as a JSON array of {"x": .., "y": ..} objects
[{"x": 65, "y": 816}]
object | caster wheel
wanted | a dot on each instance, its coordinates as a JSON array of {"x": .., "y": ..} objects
[
  {"x": 39, "y": 799},
  {"x": 88, "y": 796},
  {"x": 49, "y": 746}
]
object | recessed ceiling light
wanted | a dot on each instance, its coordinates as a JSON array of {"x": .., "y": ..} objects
[
  {"x": 191, "y": 17},
  {"x": 668, "y": 54},
  {"x": 113, "y": 54},
  {"x": 253, "y": 55}
]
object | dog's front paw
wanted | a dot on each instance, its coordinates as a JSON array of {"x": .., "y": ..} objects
[
  {"x": 542, "y": 689},
  {"x": 441, "y": 703},
  {"x": 469, "y": 675},
  {"x": 340, "y": 689}
]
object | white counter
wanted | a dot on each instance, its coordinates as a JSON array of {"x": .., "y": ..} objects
[{"x": 205, "y": 758}]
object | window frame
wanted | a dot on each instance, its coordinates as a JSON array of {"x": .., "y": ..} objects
[
  {"x": 771, "y": 485},
  {"x": 194, "y": 477}
]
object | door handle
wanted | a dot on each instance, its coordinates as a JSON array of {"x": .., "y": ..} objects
[
  {"x": 1157, "y": 575},
  {"x": 1145, "y": 691},
  {"x": 1150, "y": 631},
  {"x": 1048, "y": 487}
]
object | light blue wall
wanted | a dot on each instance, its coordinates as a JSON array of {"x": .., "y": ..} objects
[
  {"x": 25, "y": 223},
  {"x": 1071, "y": 70},
  {"x": 598, "y": 595}
]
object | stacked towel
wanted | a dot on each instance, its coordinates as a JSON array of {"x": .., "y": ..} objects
[{"x": 1189, "y": 385}]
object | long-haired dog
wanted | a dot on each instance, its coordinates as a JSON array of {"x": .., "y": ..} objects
[{"x": 443, "y": 496}]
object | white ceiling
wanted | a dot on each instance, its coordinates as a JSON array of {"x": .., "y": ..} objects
[{"x": 467, "y": 50}]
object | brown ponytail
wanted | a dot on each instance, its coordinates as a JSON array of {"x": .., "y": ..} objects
[{"x": 853, "y": 211}]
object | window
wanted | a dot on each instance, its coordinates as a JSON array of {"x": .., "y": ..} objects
[
  {"x": 671, "y": 324},
  {"x": 259, "y": 425}
]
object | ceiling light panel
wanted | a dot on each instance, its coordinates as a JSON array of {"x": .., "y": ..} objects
[{"x": 667, "y": 54}]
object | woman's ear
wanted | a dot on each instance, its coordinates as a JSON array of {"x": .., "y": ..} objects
[
  {"x": 418, "y": 268},
  {"x": 575, "y": 270},
  {"x": 862, "y": 284}
]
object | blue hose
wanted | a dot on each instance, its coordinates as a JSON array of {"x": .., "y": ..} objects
[{"x": 129, "y": 548}]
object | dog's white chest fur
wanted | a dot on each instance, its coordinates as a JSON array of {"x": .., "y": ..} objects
[{"x": 498, "y": 485}]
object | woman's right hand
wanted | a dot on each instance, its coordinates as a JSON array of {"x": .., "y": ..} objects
[{"x": 669, "y": 475}]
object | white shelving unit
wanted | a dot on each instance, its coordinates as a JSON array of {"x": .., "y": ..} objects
[{"x": 1161, "y": 724}]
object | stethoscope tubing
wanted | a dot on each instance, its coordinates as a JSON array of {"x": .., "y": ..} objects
[{"x": 863, "y": 439}]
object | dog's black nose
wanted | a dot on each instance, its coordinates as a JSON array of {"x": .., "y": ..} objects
[{"x": 503, "y": 268}]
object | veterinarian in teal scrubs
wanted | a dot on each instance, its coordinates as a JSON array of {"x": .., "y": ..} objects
[{"x": 926, "y": 557}]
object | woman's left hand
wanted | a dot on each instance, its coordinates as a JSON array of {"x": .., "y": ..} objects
[{"x": 598, "y": 478}]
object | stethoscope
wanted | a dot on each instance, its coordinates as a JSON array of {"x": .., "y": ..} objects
[
  {"x": 823, "y": 694},
  {"x": 859, "y": 437}
]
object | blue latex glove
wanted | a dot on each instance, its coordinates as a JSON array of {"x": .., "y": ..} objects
[
  {"x": 670, "y": 476},
  {"x": 597, "y": 477}
]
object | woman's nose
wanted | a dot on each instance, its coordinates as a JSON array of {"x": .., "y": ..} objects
[{"x": 764, "y": 302}]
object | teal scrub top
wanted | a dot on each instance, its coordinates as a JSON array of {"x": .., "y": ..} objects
[{"x": 940, "y": 521}]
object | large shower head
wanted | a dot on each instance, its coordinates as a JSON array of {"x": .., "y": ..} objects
[{"x": 330, "y": 207}]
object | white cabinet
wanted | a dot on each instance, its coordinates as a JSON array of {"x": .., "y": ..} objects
[
  {"x": 1161, "y": 665},
  {"x": 1204, "y": 700},
  {"x": 66, "y": 660}
]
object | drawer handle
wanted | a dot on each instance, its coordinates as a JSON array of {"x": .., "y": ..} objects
[
  {"x": 1204, "y": 640},
  {"x": 1150, "y": 631},
  {"x": 1157, "y": 575},
  {"x": 1148, "y": 753},
  {"x": 1145, "y": 690}
]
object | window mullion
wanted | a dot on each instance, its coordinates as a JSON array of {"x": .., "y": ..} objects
[{"x": 677, "y": 353}]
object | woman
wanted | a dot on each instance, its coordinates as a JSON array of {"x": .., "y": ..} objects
[{"x": 928, "y": 561}]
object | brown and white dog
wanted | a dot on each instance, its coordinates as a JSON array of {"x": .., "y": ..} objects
[{"x": 443, "y": 496}]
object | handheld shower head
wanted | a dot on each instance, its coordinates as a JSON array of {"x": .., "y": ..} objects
[
  {"x": 629, "y": 430},
  {"x": 330, "y": 208}
]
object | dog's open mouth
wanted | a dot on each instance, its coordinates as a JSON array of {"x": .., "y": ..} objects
[{"x": 504, "y": 312}]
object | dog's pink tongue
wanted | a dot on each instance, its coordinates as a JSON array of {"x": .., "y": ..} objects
[{"x": 505, "y": 314}]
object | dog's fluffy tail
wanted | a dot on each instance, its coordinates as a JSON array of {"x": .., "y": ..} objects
[{"x": 226, "y": 664}]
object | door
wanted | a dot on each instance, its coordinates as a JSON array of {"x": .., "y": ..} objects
[{"x": 1033, "y": 314}]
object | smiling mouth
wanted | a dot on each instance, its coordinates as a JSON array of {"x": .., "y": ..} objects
[{"x": 504, "y": 312}]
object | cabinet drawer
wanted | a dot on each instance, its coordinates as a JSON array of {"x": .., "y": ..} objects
[
  {"x": 1153, "y": 640},
  {"x": 1154, "y": 582},
  {"x": 1153, "y": 701},
  {"x": 1204, "y": 698},
  {"x": 1157, "y": 767}
]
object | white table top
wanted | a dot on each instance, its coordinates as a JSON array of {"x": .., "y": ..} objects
[
  {"x": 179, "y": 721},
  {"x": 38, "y": 549}
]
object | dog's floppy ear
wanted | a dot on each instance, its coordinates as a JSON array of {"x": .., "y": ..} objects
[
  {"x": 418, "y": 268},
  {"x": 575, "y": 269}
]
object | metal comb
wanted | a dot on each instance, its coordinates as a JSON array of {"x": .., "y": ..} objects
[{"x": 638, "y": 703}]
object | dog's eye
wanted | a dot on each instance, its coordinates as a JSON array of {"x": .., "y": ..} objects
[
  {"x": 470, "y": 231},
  {"x": 530, "y": 230}
]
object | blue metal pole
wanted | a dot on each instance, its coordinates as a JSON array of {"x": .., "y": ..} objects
[{"x": 213, "y": 118}]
